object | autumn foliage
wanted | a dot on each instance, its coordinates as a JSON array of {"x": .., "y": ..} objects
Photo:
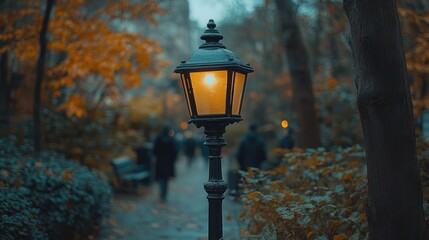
[
  {"x": 91, "y": 54},
  {"x": 312, "y": 194},
  {"x": 416, "y": 27}
]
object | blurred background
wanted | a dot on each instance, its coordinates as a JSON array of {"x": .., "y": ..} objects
[{"x": 108, "y": 87}]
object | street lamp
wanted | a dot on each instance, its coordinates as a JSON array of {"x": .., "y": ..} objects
[{"x": 214, "y": 80}]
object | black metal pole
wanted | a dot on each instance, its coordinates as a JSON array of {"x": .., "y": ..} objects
[{"x": 215, "y": 187}]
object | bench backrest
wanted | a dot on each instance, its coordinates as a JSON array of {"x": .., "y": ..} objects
[{"x": 123, "y": 165}]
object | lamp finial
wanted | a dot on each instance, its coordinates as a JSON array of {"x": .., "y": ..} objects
[
  {"x": 211, "y": 36},
  {"x": 211, "y": 24}
]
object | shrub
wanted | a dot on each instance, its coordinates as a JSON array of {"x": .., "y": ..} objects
[
  {"x": 311, "y": 195},
  {"x": 18, "y": 216},
  {"x": 48, "y": 196},
  {"x": 315, "y": 194}
]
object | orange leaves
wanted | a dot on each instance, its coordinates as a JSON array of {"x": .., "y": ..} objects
[
  {"x": 21, "y": 38},
  {"x": 347, "y": 177},
  {"x": 254, "y": 195},
  {"x": 68, "y": 175},
  {"x": 126, "y": 9},
  {"x": 416, "y": 28},
  {"x": 331, "y": 83},
  {"x": 340, "y": 237},
  {"x": 88, "y": 43},
  {"x": 313, "y": 194},
  {"x": 74, "y": 106}
]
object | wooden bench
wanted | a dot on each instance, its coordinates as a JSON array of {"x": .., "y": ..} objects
[{"x": 128, "y": 173}]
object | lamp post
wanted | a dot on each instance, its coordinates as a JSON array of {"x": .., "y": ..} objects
[{"x": 214, "y": 80}]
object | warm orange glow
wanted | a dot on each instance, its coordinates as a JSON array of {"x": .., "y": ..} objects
[
  {"x": 183, "y": 125},
  {"x": 209, "y": 91},
  {"x": 238, "y": 92},
  {"x": 285, "y": 124}
]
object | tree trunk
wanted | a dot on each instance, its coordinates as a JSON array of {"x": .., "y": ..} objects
[
  {"x": 394, "y": 189},
  {"x": 39, "y": 77},
  {"x": 4, "y": 90},
  {"x": 300, "y": 70}
]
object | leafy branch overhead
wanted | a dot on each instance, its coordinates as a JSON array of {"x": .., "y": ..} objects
[{"x": 88, "y": 48}]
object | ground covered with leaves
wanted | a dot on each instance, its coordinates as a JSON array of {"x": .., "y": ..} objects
[{"x": 312, "y": 194}]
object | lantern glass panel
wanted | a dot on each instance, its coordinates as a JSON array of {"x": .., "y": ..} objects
[
  {"x": 209, "y": 90},
  {"x": 186, "y": 89},
  {"x": 239, "y": 82}
]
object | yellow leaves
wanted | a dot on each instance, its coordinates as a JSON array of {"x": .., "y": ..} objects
[
  {"x": 27, "y": 50},
  {"x": 295, "y": 201},
  {"x": 354, "y": 164},
  {"x": 68, "y": 175},
  {"x": 60, "y": 12},
  {"x": 250, "y": 173},
  {"x": 131, "y": 80},
  {"x": 340, "y": 237},
  {"x": 335, "y": 224},
  {"x": 416, "y": 27},
  {"x": 331, "y": 83},
  {"x": 38, "y": 164},
  {"x": 288, "y": 196},
  {"x": 326, "y": 171},
  {"x": 279, "y": 170},
  {"x": 74, "y": 106},
  {"x": 254, "y": 195},
  {"x": 57, "y": 46},
  {"x": 242, "y": 215},
  {"x": 276, "y": 185},
  {"x": 347, "y": 177}
]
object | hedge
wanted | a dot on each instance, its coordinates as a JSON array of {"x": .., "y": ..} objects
[
  {"x": 48, "y": 197},
  {"x": 314, "y": 194}
]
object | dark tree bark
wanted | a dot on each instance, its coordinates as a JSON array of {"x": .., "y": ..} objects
[
  {"x": 4, "y": 90},
  {"x": 39, "y": 77},
  {"x": 394, "y": 189},
  {"x": 300, "y": 70}
]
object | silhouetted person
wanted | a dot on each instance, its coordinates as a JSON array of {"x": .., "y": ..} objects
[
  {"x": 165, "y": 152},
  {"x": 251, "y": 151},
  {"x": 287, "y": 141},
  {"x": 189, "y": 147}
]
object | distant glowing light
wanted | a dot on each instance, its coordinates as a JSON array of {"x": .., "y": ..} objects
[
  {"x": 209, "y": 79},
  {"x": 183, "y": 125},
  {"x": 285, "y": 124}
]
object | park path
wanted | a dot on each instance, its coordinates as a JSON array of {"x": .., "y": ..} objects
[{"x": 183, "y": 216}]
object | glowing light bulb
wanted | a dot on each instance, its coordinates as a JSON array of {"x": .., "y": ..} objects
[
  {"x": 285, "y": 124},
  {"x": 209, "y": 79}
]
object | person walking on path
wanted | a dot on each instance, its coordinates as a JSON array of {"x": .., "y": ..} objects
[
  {"x": 251, "y": 151},
  {"x": 287, "y": 141},
  {"x": 165, "y": 153}
]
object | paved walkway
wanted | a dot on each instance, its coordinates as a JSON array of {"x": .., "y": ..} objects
[{"x": 183, "y": 216}]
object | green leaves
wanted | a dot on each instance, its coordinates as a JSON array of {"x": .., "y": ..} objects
[{"x": 43, "y": 197}]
